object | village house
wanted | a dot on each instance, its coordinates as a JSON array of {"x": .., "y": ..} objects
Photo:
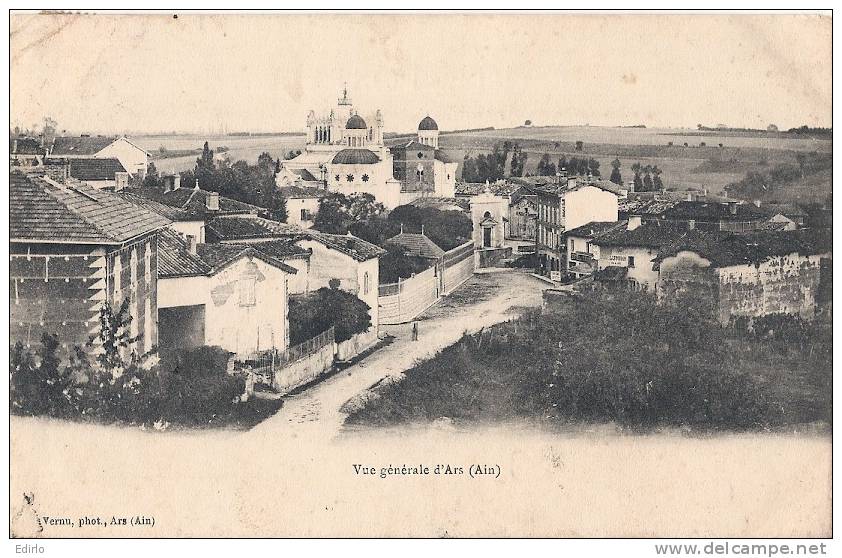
[
  {"x": 442, "y": 204},
  {"x": 74, "y": 249},
  {"x": 523, "y": 214},
  {"x": 186, "y": 222},
  {"x": 102, "y": 174},
  {"x": 582, "y": 252},
  {"x": 302, "y": 204},
  {"x": 351, "y": 261},
  {"x": 625, "y": 255},
  {"x": 231, "y": 296},
  {"x": 566, "y": 206},
  {"x": 750, "y": 275},
  {"x": 134, "y": 159}
]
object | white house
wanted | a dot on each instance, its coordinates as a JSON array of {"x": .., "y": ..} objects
[
  {"x": 302, "y": 204},
  {"x": 133, "y": 158},
  {"x": 234, "y": 297}
]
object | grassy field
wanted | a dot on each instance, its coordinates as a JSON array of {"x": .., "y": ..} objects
[
  {"x": 694, "y": 166},
  {"x": 247, "y": 148}
]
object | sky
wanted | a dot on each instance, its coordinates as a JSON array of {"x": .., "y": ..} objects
[{"x": 121, "y": 73}]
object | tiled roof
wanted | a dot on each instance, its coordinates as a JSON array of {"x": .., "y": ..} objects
[
  {"x": 301, "y": 192},
  {"x": 25, "y": 146},
  {"x": 43, "y": 210},
  {"x": 218, "y": 256},
  {"x": 786, "y": 209},
  {"x": 712, "y": 211},
  {"x": 171, "y": 213},
  {"x": 352, "y": 246},
  {"x": 282, "y": 249},
  {"x": 595, "y": 229},
  {"x": 412, "y": 145},
  {"x": 417, "y": 245},
  {"x": 444, "y": 204},
  {"x": 305, "y": 175},
  {"x": 242, "y": 228},
  {"x": 650, "y": 206},
  {"x": 725, "y": 249},
  {"x": 81, "y": 145},
  {"x": 476, "y": 188},
  {"x": 194, "y": 201},
  {"x": 440, "y": 156},
  {"x": 648, "y": 235},
  {"x": 175, "y": 259},
  {"x": 95, "y": 169}
]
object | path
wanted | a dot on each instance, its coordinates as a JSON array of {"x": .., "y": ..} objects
[{"x": 486, "y": 299}]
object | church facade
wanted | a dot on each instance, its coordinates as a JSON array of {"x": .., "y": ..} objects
[{"x": 345, "y": 152}]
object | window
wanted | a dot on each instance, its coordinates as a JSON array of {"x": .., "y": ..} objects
[
  {"x": 336, "y": 178},
  {"x": 118, "y": 272},
  {"x": 133, "y": 268},
  {"x": 147, "y": 326},
  {"x": 147, "y": 262},
  {"x": 304, "y": 215},
  {"x": 350, "y": 178},
  {"x": 631, "y": 261},
  {"x": 365, "y": 178},
  {"x": 365, "y": 283},
  {"x": 248, "y": 296},
  {"x": 420, "y": 155}
]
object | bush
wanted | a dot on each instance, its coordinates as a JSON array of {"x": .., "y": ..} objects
[
  {"x": 448, "y": 229},
  {"x": 605, "y": 357},
  {"x": 190, "y": 387},
  {"x": 316, "y": 312},
  {"x": 397, "y": 264}
]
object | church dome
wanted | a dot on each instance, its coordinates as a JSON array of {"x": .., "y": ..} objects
[
  {"x": 355, "y": 156},
  {"x": 356, "y": 123},
  {"x": 428, "y": 124}
]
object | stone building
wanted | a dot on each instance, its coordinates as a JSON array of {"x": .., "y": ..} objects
[
  {"x": 750, "y": 275},
  {"x": 74, "y": 249}
]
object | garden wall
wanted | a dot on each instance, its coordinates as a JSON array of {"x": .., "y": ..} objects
[{"x": 346, "y": 350}]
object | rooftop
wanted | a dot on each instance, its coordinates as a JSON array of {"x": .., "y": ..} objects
[
  {"x": 356, "y": 157},
  {"x": 648, "y": 235},
  {"x": 194, "y": 201},
  {"x": 43, "y": 210},
  {"x": 25, "y": 146},
  {"x": 298, "y": 192},
  {"x": 166, "y": 211},
  {"x": 712, "y": 211},
  {"x": 95, "y": 169},
  {"x": 227, "y": 228},
  {"x": 595, "y": 229},
  {"x": 81, "y": 145},
  {"x": 175, "y": 258},
  {"x": 417, "y": 244},
  {"x": 724, "y": 249}
]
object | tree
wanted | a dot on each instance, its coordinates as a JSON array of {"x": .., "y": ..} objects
[
  {"x": 580, "y": 145},
  {"x": 152, "y": 180},
  {"x": 337, "y": 212},
  {"x": 397, "y": 264},
  {"x": 113, "y": 336},
  {"x": 657, "y": 183},
  {"x": 638, "y": 182},
  {"x": 616, "y": 177},
  {"x": 528, "y": 123},
  {"x": 518, "y": 160},
  {"x": 647, "y": 178}
]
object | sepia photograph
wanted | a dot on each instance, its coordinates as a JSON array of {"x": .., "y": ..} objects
[{"x": 428, "y": 274}]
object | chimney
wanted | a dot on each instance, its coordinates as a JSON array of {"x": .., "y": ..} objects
[
  {"x": 121, "y": 181},
  {"x": 733, "y": 207},
  {"x": 57, "y": 169},
  {"x": 176, "y": 182},
  {"x": 191, "y": 244},
  {"x": 197, "y": 184},
  {"x": 691, "y": 224},
  {"x": 571, "y": 182},
  {"x": 212, "y": 201},
  {"x": 15, "y": 146},
  {"x": 757, "y": 203},
  {"x": 631, "y": 186},
  {"x": 689, "y": 196},
  {"x": 634, "y": 222}
]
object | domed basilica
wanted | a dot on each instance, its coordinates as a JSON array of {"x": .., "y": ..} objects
[{"x": 345, "y": 153}]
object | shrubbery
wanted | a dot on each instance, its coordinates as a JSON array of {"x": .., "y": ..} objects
[
  {"x": 187, "y": 387},
  {"x": 316, "y": 312},
  {"x": 622, "y": 358}
]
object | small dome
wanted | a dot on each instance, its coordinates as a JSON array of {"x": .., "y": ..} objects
[
  {"x": 356, "y": 123},
  {"x": 428, "y": 124},
  {"x": 355, "y": 157}
]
